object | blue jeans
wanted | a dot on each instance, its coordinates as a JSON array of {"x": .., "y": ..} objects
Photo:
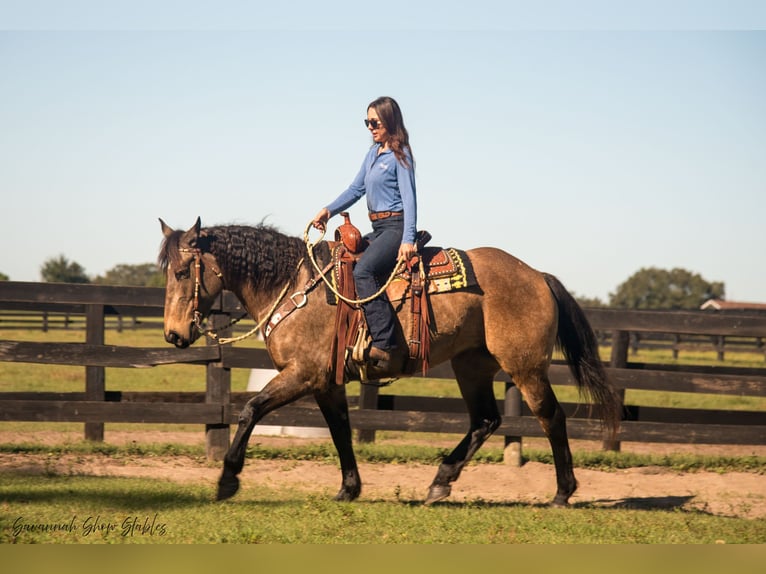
[{"x": 371, "y": 272}]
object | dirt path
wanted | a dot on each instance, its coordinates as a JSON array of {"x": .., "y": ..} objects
[{"x": 738, "y": 494}]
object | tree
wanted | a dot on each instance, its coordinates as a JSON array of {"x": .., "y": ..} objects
[
  {"x": 142, "y": 275},
  {"x": 653, "y": 288},
  {"x": 61, "y": 270},
  {"x": 4, "y": 277}
]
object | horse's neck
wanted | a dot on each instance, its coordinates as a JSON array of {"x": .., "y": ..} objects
[{"x": 262, "y": 302}]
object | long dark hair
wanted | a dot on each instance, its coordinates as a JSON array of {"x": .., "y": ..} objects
[{"x": 391, "y": 116}]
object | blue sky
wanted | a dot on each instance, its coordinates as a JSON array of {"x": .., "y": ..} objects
[{"x": 588, "y": 149}]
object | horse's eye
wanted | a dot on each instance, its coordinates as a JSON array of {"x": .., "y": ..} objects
[{"x": 183, "y": 274}]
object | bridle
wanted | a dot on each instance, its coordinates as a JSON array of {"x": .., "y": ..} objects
[{"x": 197, "y": 255}]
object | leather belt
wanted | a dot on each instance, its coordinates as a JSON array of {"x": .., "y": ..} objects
[{"x": 377, "y": 215}]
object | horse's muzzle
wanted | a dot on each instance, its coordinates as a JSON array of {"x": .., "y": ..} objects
[{"x": 175, "y": 339}]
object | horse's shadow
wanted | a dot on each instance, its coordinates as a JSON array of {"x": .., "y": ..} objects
[
  {"x": 648, "y": 503},
  {"x": 638, "y": 503}
]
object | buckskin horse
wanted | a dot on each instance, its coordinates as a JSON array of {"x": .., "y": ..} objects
[{"x": 511, "y": 320}]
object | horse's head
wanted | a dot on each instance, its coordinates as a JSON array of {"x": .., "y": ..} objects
[{"x": 193, "y": 281}]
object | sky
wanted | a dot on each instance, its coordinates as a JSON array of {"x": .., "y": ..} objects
[{"x": 588, "y": 144}]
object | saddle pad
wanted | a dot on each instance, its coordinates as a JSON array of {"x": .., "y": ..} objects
[{"x": 446, "y": 270}]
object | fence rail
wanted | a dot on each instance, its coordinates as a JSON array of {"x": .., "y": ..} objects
[
  {"x": 217, "y": 407},
  {"x": 50, "y": 317}
]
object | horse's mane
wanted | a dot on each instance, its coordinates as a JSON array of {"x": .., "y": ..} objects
[{"x": 261, "y": 255}]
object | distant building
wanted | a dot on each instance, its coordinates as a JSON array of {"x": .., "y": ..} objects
[{"x": 721, "y": 305}]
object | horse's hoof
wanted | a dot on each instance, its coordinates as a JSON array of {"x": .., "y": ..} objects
[
  {"x": 437, "y": 492},
  {"x": 227, "y": 487},
  {"x": 347, "y": 495},
  {"x": 560, "y": 501}
]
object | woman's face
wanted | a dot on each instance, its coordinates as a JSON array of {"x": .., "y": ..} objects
[{"x": 376, "y": 127}]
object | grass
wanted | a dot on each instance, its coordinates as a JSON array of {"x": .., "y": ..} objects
[{"x": 64, "y": 509}]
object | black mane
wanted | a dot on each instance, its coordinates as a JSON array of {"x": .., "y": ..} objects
[{"x": 260, "y": 255}]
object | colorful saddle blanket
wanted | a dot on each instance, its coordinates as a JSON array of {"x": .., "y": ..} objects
[{"x": 445, "y": 269}]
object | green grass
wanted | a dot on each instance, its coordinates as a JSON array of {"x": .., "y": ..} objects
[{"x": 133, "y": 510}]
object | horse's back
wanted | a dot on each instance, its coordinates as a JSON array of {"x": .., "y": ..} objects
[{"x": 500, "y": 274}]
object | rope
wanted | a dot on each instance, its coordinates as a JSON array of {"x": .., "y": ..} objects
[{"x": 310, "y": 249}]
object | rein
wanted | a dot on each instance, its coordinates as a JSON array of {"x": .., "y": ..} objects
[{"x": 310, "y": 249}]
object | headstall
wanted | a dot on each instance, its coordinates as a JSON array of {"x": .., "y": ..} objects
[{"x": 197, "y": 255}]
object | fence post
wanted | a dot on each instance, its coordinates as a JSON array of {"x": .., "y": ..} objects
[
  {"x": 368, "y": 399},
  {"x": 218, "y": 391},
  {"x": 618, "y": 360},
  {"x": 720, "y": 346},
  {"x": 95, "y": 377},
  {"x": 512, "y": 408}
]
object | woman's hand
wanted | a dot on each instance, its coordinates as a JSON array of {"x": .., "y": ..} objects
[
  {"x": 320, "y": 219},
  {"x": 406, "y": 251}
]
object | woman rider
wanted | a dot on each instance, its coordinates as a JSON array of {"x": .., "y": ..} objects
[{"x": 387, "y": 178}]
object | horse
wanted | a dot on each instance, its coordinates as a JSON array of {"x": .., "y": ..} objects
[{"x": 511, "y": 321}]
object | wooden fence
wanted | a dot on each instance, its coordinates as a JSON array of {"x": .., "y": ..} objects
[
  {"x": 217, "y": 408},
  {"x": 48, "y": 320}
]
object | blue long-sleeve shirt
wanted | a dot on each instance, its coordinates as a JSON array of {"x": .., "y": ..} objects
[{"x": 389, "y": 186}]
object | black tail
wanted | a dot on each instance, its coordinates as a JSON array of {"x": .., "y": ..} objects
[{"x": 577, "y": 341}]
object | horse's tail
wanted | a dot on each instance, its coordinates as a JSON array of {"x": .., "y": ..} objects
[{"x": 578, "y": 343}]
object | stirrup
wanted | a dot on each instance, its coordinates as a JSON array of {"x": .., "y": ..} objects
[
  {"x": 358, "y": 354},
  {"x": 361, "y": 344}
]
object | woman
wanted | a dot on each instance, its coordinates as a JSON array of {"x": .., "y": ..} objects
[{"x": 387, "y": 177}]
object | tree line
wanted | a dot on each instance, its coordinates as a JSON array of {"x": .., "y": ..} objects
[
  {"x": 648, "y": 288},
  {"x": 61, "y": 270}
]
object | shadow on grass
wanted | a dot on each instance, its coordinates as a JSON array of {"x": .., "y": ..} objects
[
  {"x": 639, "y": 503},
  {"x": 124, "y": 493},
  {"x": 650, "y": 503}
]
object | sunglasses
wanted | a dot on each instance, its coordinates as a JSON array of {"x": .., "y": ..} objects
[{"x": 374, "y": 124}]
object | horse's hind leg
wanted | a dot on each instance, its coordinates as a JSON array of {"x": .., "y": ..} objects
[
  {"x": 544, "y": 405},
  {"x": 475, "y": 371},
  {"x": 334, "y": 407}
]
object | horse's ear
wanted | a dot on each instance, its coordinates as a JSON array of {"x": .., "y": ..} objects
[
  {"x": 167, "y": 231},
  {"x": 197, "y": 226},
  {"x": 192, "y": 234}
]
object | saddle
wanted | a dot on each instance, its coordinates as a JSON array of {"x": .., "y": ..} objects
[{"x": 431, "y": 270}]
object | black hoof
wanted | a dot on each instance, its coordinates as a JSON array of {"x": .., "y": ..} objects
[
  {"x": 227, "y": 487},
  {"x": 437, "y": 492},
  {"x": 347, "y": 495},
  {"x": 560, "y": 501}
]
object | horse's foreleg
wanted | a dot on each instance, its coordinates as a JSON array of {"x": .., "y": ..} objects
[
  {"x": 334, "y": 407},
  {"x": 281, "y": 390},
  {"x": 477, "y": 391}
]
